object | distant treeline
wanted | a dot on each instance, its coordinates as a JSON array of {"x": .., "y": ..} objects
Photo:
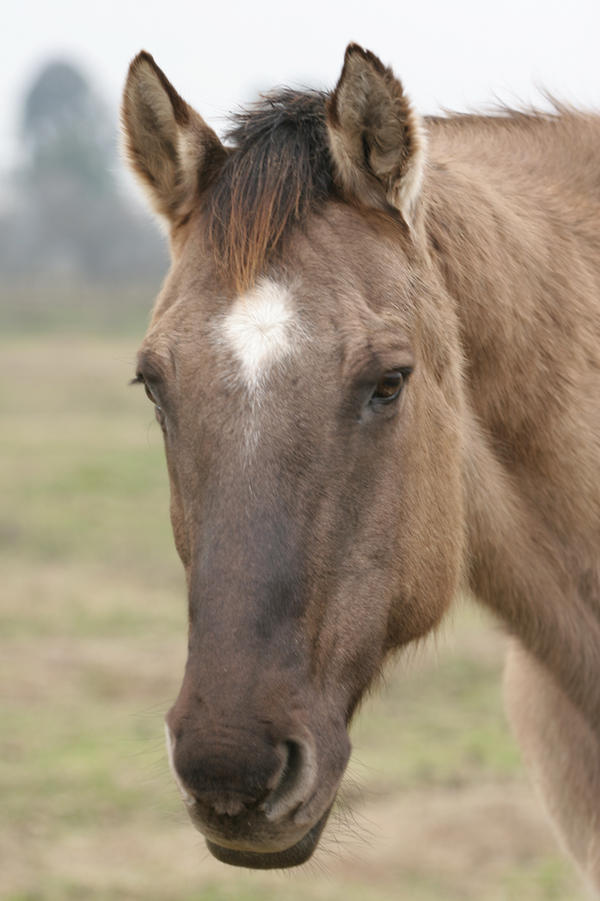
[{"x": 64, "y": 216}]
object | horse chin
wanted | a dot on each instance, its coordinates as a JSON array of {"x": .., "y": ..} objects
[{"x": 272, "y": 860}]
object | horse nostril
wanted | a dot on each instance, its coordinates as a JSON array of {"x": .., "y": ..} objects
[
  {"x": 295, "y": 779},
  {"x": 188, "y": 800},
  {"x": 276, "y": 779}
]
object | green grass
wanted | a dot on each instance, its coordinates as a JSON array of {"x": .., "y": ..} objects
[
  {"x": 93, "y": 622},
  {"x": 419, "y": 714}
]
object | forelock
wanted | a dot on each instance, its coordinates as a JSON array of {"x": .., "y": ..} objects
[{"x": 278, "y": 170}]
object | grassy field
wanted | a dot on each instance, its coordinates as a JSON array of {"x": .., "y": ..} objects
[{"x": 93, "y": 642}]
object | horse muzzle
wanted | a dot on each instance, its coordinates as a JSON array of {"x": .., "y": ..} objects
[{"x": 259, "y": 803}]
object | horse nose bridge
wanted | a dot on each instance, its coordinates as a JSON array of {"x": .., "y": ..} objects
[
  {"x": 247, "y": 646},
  {"x": 244, "y": 667},
  {"x": 244, "y": 604},
  {"x": 231, "y": 711},
  {"x": 248, "y": 563}
]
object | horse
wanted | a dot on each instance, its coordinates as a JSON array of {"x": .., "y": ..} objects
[{"x": 375, "y": 361}]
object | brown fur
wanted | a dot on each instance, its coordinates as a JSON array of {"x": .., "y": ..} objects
[
  {"x": 562, "y": 752},
  {"x": 376, "y": 137},
  {"x": 350, "y": 527},
  {"x": 171, "y": 149}
]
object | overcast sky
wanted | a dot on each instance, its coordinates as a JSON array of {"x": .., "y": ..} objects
[{"x": 455, "y": 54}]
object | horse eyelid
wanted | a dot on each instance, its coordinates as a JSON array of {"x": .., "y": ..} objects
[{"x": 140, "y": 380}]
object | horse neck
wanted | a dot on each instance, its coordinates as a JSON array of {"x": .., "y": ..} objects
[
  {"x": 514, "y": 241},
  {"x": 518, "y": 267}
]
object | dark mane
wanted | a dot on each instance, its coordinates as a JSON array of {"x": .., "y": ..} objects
[{"x": 277, "y": 170}]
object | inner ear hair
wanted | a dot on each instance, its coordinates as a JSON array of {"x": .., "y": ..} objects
[
  {"x": 377, "y": 139},
  {"x": 170, "y": 148}
]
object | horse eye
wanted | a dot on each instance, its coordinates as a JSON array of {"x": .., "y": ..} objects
[
  {"x": 388, "y": 387},
  {"x": 158, "y": 412}
]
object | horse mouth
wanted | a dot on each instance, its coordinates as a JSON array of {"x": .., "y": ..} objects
[{"x": 294, "y": 856}]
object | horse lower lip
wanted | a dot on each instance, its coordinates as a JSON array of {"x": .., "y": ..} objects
[{"x": 272, "y": 860}]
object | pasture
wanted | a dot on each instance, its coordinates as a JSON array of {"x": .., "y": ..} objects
[{"x": 93, "y": 646}]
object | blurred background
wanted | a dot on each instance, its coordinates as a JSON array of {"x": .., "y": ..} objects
[{"x": 93, "y": 620}]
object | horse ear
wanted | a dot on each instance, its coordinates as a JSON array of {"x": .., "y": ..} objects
[
  {"x": 377, "y": 140},
  {"x": 170, "y": 148}
]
